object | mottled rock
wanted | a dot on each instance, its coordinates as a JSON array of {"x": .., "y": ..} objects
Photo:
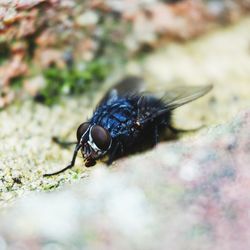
[
  {"x": 191, "y": 194},
  {"x": 187, "y": 194}
]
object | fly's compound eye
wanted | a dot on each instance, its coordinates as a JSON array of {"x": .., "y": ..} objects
[
  {"x": 101, "y": 137},
  {"x": 81, "y": 130}
]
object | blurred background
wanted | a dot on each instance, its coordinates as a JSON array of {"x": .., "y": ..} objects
[{"x": 58, "y": 58}]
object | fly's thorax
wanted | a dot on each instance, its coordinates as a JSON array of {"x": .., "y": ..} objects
[{"x": 115, "y": 114}]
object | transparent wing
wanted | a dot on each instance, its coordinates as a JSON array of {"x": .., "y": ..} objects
[
  {"x": 181, "y": 95},
  {"x": 129, "y": 85},
  {"x": 152, "y": 105}
]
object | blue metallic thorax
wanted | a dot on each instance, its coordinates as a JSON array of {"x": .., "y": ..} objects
[{"x": 117, "y": 117}]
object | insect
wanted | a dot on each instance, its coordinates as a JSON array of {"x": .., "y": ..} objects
[{"x": 127, "y": 119}]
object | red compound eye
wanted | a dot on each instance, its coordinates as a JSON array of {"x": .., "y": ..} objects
[
  {"x": 101, "y": 137},
  {"x": 81, "y": 130}
]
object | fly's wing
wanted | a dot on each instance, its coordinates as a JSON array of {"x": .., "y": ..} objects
[
  {"x": 129, "y": 85},
  {"x": 150, "y": 106},
  {"x": 179, "y": 96}
]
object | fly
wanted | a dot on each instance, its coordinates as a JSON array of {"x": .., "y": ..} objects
[{"x": 127, "y": 119}]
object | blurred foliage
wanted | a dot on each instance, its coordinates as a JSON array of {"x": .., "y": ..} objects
[
  {"x": 71, "y": 81},
  {"x": 36, "y": 34}
]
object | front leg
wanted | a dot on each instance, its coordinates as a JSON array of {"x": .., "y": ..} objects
[
  {"x": 63, "y": 144},
  {"x": 72, "y": 163}
]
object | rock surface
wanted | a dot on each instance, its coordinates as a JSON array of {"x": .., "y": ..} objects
[
  {"x": 187, "y": 194},
  {"x": 191, "y": 194}
]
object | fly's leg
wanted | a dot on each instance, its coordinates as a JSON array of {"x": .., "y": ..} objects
[
  {"x": 72, "y": 163},
  {"x": 112, "y": 156},
  {"x": 156, "y": 136},
  {"x": 121, "y": 148},
  {"x": 178, "y": 131},
  {"x": 62, "y": 143}
]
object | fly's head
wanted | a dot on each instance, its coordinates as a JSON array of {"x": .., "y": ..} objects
[{"x": 94, "y": 140}]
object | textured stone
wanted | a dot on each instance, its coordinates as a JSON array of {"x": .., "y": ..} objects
[
  {"x": 191, "y": 194},
  {"x": 185, "y": 194}
]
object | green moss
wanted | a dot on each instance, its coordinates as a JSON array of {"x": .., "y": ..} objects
[
  {"x": 72, "y": 81},
  {"x": 17, "y": 83}
]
